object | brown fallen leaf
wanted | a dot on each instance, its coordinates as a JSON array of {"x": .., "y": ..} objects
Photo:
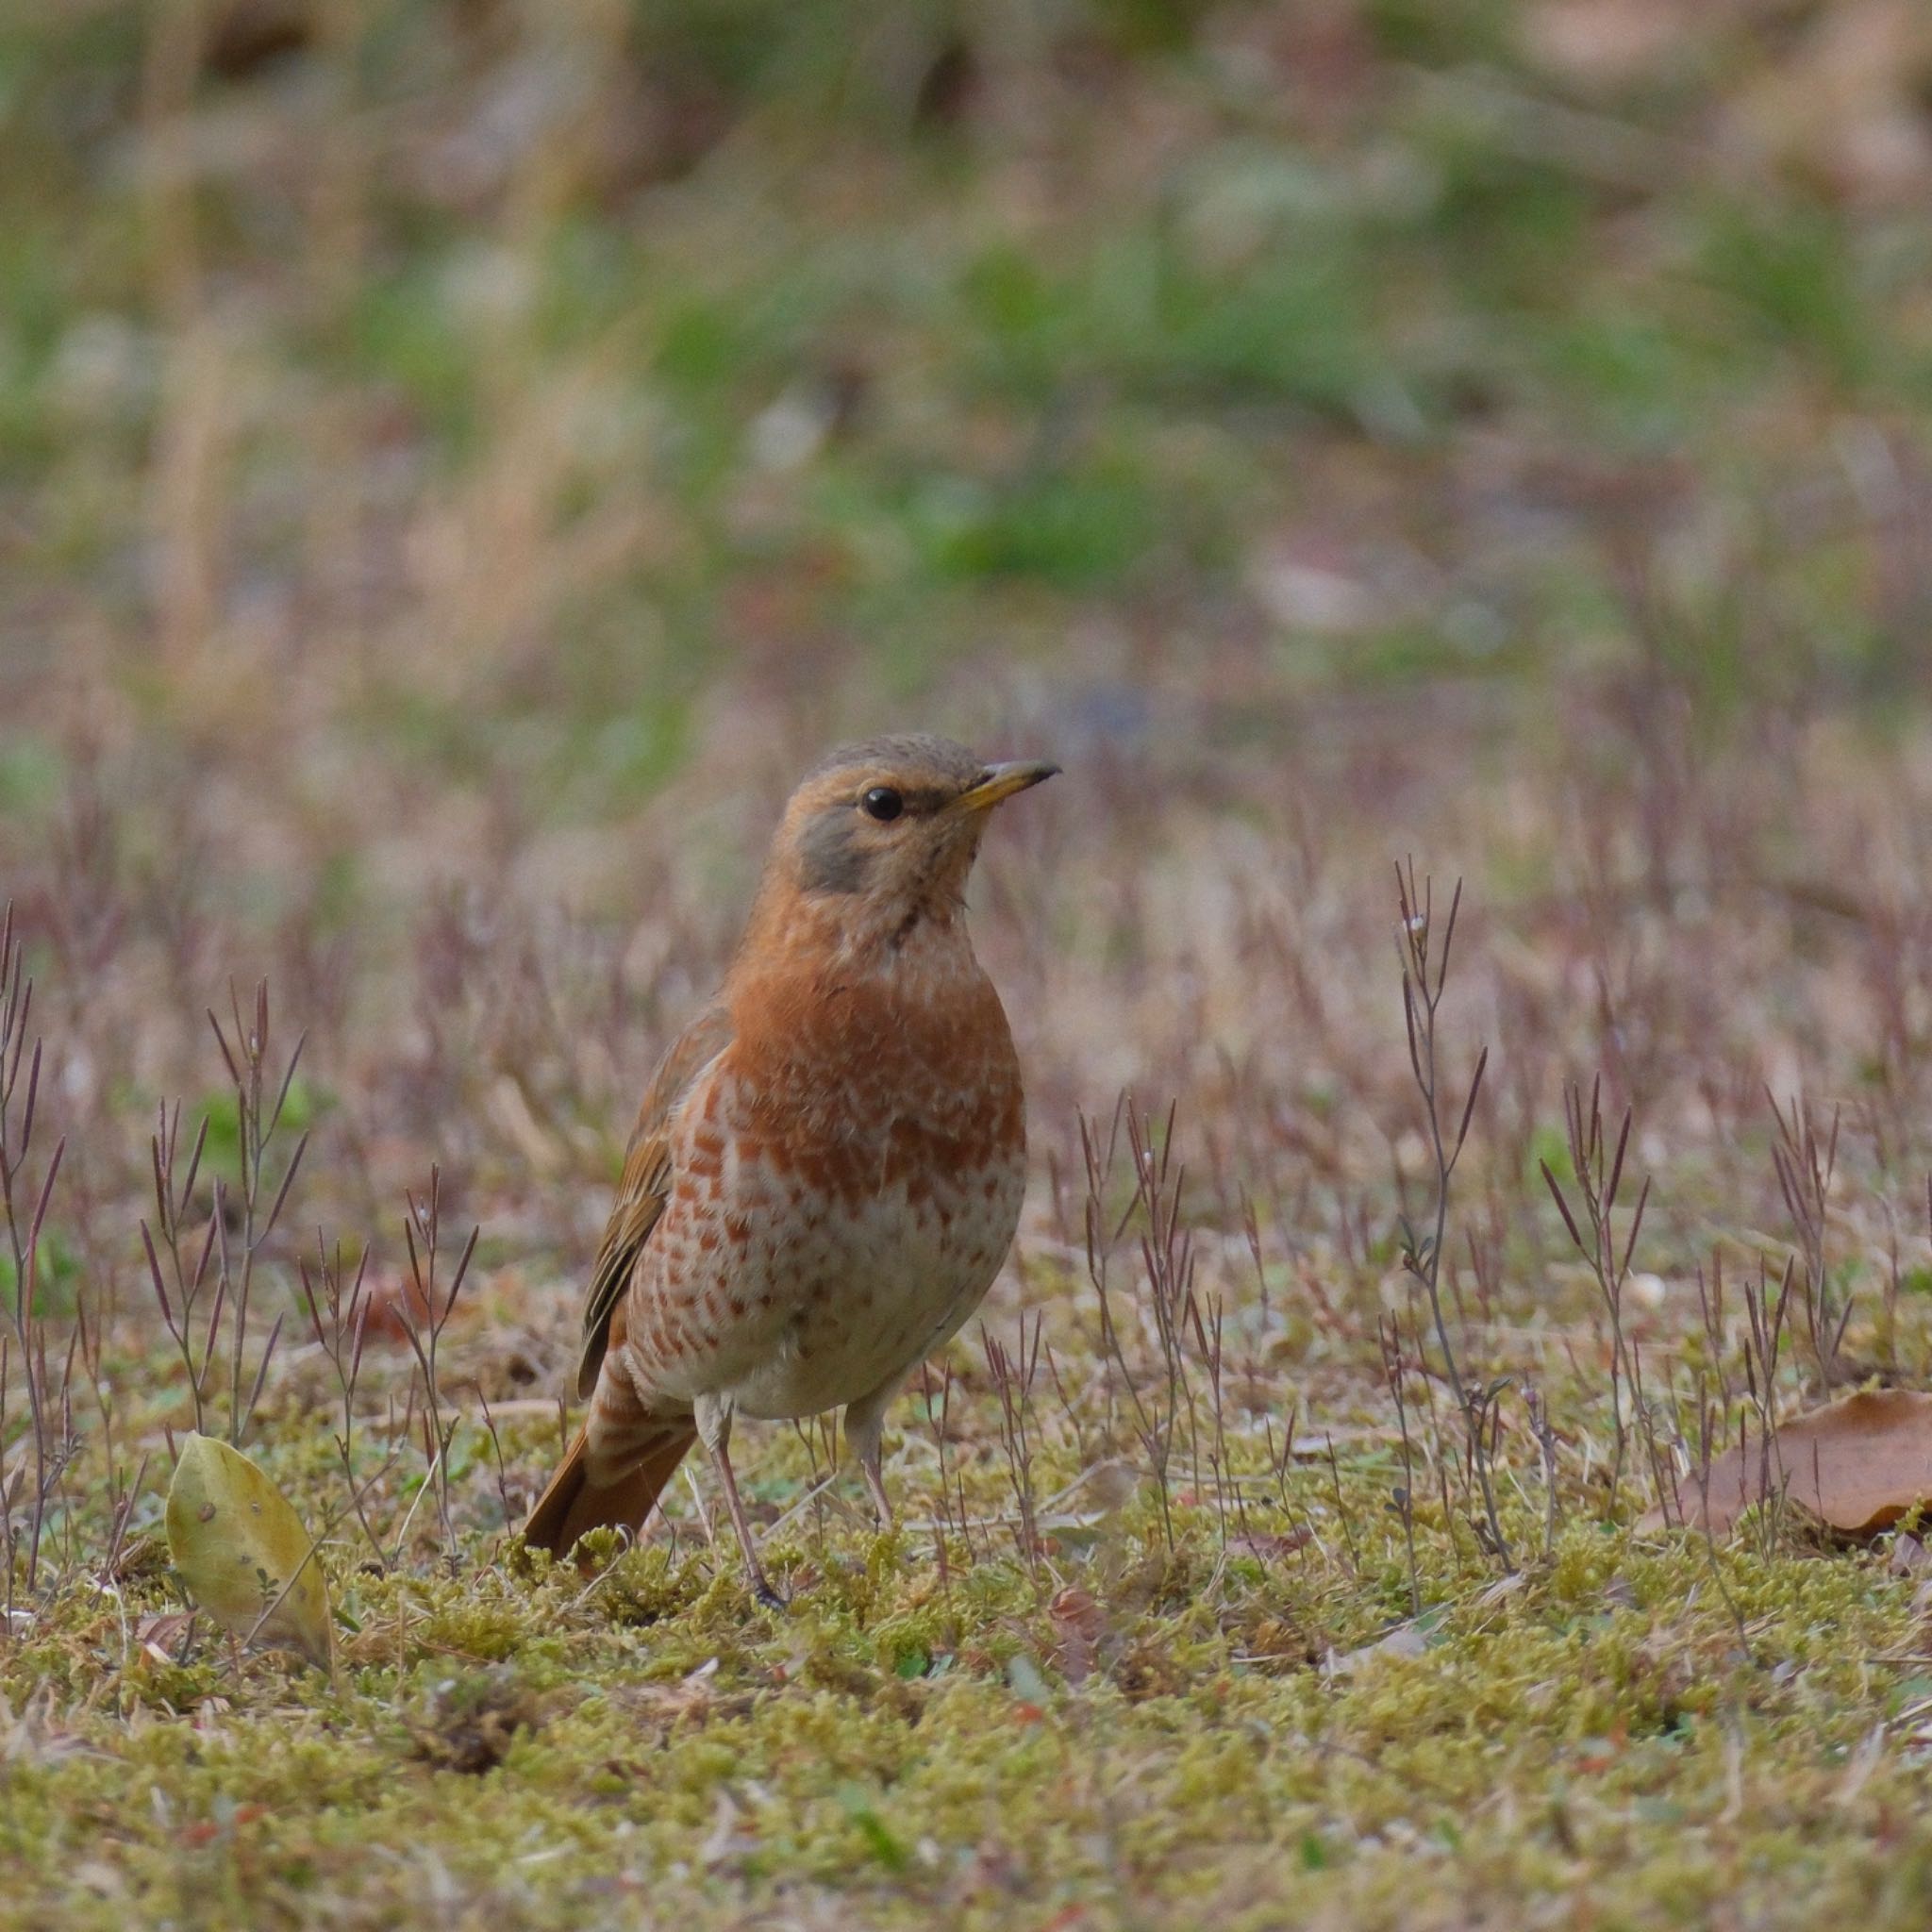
[
  {"x": 163, "y": 1636},
  {"x": 1081, "y": 1625},
  {"x": 392, "y": 1309},
  {"x": 1269, "y": 1545},
  {"x": 1908, "y": 1556},
  {"x": 1857, "y": 1466}
]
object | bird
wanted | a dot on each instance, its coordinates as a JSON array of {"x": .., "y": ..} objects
[{"x": 828, "y": 1167}]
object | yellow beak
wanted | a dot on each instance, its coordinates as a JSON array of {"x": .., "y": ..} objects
[{"x": 1002, "y": 781}]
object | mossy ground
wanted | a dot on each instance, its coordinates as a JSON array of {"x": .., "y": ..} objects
[
  {"x": 1203, "y": 1739},
  {"x": 459, "y": 463}
]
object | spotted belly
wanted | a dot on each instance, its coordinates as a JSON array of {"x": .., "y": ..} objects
[
  {"x": 786, "y": 1297},
  {"x": 878, "y": 1291}
]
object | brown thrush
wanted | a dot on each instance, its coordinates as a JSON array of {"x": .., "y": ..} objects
[{"x": 825, "y": 1172}]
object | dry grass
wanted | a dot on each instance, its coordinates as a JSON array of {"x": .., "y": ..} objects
[{"x": 437, "y": 536}]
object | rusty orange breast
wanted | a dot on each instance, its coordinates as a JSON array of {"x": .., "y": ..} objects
[{"x": 848, "y": 1177}]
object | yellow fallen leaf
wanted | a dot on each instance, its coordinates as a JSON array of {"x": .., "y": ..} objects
[{"x": 242, "y": 1553}]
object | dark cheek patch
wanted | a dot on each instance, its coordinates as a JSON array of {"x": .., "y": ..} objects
[{"x": 830, "y": 857}]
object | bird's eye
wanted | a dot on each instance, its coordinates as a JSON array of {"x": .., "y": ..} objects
[{"x": 882, "y": 803}]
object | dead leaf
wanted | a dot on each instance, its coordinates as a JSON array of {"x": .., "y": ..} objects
[
  {"x": 1074, "y": 1610},
  {"x": 1406, "y": 1640},
  {"x": 163, "y": 1636},
  {"x": 1269, "y": 1546},
  {"x": 696, "y": 1695},
  {"x": 1857, "y": 1466},
  {"x": 394, "y": 1310},
  {"x": 242, "y": 1553},
  {"x": 1081, "y": 1625}
]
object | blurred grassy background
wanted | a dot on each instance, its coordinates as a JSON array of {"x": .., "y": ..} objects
[
  {"x": 503, "y": 392},
  {"x": 459, "y": 461},
  {"x": 468, "y": 456}
]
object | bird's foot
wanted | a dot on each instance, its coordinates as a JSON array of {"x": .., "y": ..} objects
[{"x": 881, "y": 1503}]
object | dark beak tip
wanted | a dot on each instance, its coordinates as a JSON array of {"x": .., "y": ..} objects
[
  {"x": 1005, "y": 780},
  {"x": 1035, "y": 771}
]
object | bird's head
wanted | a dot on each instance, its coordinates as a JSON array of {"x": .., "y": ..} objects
[{"x": 881, "y": 836}]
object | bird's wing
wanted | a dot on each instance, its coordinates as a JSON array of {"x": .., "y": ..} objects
[{"x": 645, "y": 1184}]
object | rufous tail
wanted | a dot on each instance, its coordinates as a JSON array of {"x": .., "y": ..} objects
[{"x": 573, "y": 1505}]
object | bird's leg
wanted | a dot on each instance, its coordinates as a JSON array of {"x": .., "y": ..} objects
[
  {"x": 754, "y": 1571},
  {"x": 865, "y": 1429},
  {"x": 714, "y": 1431}
]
